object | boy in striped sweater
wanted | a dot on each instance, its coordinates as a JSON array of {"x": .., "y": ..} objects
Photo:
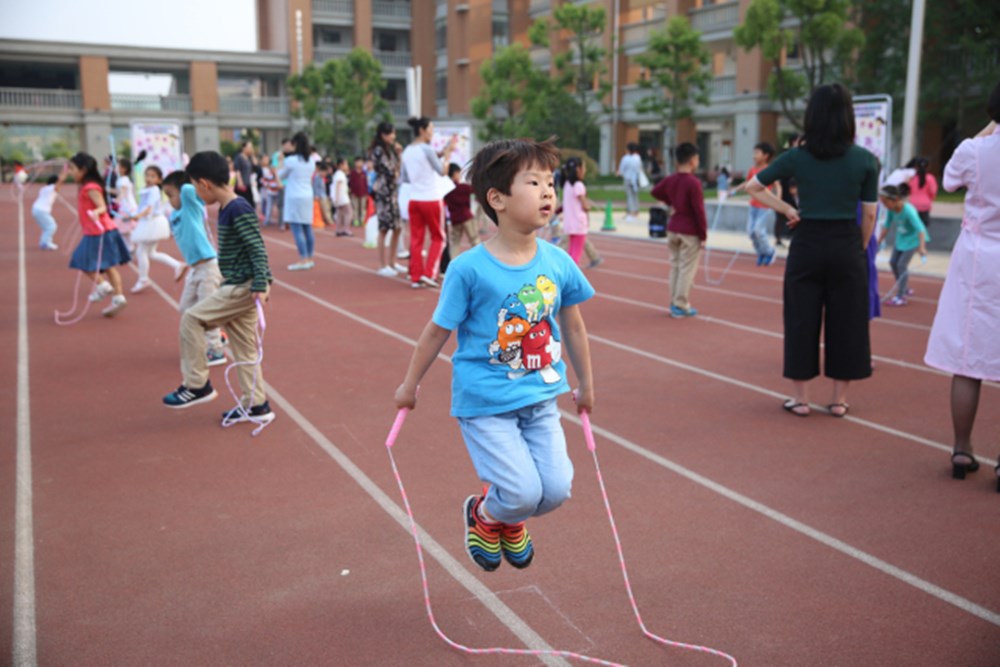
[{"x": 245, "y": 278}]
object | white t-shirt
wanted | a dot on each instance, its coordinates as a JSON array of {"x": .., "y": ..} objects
[
  {"x": 126, "y": 196},
  {"x": 338, "y": 189},
  {"x": 46, "y": 197},
  {"x": 422, "y": 169}
]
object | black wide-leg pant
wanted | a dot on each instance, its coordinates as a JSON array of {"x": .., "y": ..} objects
[{"x": 826, "y": 287}]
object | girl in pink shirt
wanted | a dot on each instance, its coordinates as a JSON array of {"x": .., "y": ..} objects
[
  {"x": 923, "y": 190},
  {"x": 575, "y": 207}
]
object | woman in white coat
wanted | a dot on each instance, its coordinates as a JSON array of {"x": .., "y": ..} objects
[{"x": 964, "y": 340}]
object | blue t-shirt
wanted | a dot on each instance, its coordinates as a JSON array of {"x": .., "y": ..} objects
[
  {"x": 909, "y": 226},
  {"x": 188, "y": 227},
  {"x": 509, "y": 352}
]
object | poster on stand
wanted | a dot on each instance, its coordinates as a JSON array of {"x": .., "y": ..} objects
[
  {"x": 463, "y": 152},
  {"x": 163, "y": 141},
  {"x": 873, "y": 127}
]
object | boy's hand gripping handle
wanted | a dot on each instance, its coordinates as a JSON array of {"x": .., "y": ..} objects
[
  {"x": 588, "y": 432},
  {"x": 396, "y": 426}
]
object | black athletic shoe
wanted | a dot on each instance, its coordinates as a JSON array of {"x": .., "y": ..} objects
[
  {"x": 185, "y": 397},
  {"x": 260, "y": 414}
]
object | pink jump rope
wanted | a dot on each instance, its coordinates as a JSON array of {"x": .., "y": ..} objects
[{"x": 588, "y": 435}]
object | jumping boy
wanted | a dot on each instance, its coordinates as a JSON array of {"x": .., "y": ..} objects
[
  {"x": 246, "y": 278},
  {"x": 187, "y": 225},
  {"x": 503, "y": 297},
  {"x": 757, "y": 217},
  {"x": 687, "y": 229}
]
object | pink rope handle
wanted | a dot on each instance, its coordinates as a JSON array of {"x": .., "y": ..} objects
[
  {"x": 397, "y": 425},
  {"x": 60, "y": 317},
  {"x": 243, "y": 413},
  {"x": 588, "y": 435}
]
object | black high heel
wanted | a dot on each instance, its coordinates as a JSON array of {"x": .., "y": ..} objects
[{"x": 959, "y": 468}]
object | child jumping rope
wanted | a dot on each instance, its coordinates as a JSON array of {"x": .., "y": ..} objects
[
  {"x": 101, "y": 249},
  {"x": 246, "y": 279},
  {"x": 507, "y": 299},
  {"x": 911, "y": 236},
  {"x": 187, "y": 223},
  {"x": 153, "y": 227},
  {"x": 41, "y": 211}
]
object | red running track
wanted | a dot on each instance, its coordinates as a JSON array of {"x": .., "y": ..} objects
[{"x": 160, "y": 538}]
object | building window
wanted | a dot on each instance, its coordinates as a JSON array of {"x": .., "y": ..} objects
[
  {"x": 441, "y": 86},
  {"x": 501, "y": 31},
  {"x": 386, "y": 41},
  {"x": 441, "y": 36}
]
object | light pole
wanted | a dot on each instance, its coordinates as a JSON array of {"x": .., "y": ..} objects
[{"x": 912, "y": 82}]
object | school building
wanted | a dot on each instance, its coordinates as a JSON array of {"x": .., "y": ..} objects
[{"x": 64, "y": 88}]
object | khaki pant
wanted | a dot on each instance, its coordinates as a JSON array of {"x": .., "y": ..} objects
[
  {"x": 469, "y": 228},
  {"x": 203, "y": 279},
  {"x": 360, "y": 206},
  {"x": 231, "y": 306},
  {"x": 684, "y": 252}
]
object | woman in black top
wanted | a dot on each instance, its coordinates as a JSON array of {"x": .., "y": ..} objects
[{"x": 826, "y": 275}]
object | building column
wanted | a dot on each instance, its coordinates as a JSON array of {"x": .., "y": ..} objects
[
  {"x": 96, "y": 133},
  {"x": 94, "y": 92},
  {"x": 363, "y": 29},
  {"x": 204, "y": 87},
  {"x": 206, "y": 135},
  {"x": 294, "y": 28},
  {"x": 422, "y": 51}
]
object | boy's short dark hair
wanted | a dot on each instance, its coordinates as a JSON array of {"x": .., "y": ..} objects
[
  {"x": 452, "y": 168},
  {"x": 496, "y": 164},
  {"x": 765, "y": 148},
  {"x": 52, "y": 180},
  {"x": 176, "y": 179},
  {"x": 685, "y": 152},
  {"x": 211, "y": 166}
]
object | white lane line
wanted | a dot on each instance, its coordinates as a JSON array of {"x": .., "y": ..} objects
[
  {"x": 778, "y": 335},
  {"x": 798, "y": 526},
  {"x": 934, "y": 590},
  {"x": 751, "y": 297},
  {"x": 774, "y": 394},
  {"x": 24, "y": 649},
  {"x": 432, "y": 547}
]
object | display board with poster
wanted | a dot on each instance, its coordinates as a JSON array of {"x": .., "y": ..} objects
[
  {"x": 873, "y": 127},
  {"x": 163, "y": 141},
  {"x": 463, "y": 151}
]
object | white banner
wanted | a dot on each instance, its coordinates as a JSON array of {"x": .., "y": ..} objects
[{"x": 873, "y": 123}]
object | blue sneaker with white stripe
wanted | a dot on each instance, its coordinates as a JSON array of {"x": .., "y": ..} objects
[{"x": 185, "y": 397}]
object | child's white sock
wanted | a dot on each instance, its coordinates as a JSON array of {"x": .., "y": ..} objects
[{"x": 482, "y": 514}]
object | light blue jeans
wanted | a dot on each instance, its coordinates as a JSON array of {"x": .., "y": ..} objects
[
  {"x": 522, "y": 456},
  {"x": 757, "y": 229},
  {"x": 47, "y": 223},
  {"x": 304, "y": 238}
]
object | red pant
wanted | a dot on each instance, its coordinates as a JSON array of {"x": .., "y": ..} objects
[{"x": 426, "y": 216}]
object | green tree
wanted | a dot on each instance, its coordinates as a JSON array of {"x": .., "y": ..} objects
[
  {"x": 341, "y": 101},
  {"x": 583, "y": 68},
  {"x": 514, "y": 97},
  {"x": 822, "y": 37},
  {"x": 57, "y": 149},
  {"x": 678, "y": 76}
]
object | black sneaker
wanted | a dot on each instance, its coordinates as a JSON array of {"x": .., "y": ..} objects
[
  {"x": 185, "y": 398},
  {"x": 259, "y": 414}
]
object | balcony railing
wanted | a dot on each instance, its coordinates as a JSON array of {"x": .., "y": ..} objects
[
  {"x": 722, "y": 86},
  {"x": 338, "y": 8},
  {"x": 398, "y": 109},
  {"x": 538, "y": 7},
  {"x": 394, "y": 11},
  {"x": 255, "y": 106},
  {"x": 129, "y": 102},
  {"x": 713, "y": 18},
  {"x": 323, "y": 53},
  {"x": 635, "y": 36},
  {"x": 40, "y": 98},
  {"x": 632, "y": 96},
  {"x": 394, "y": 58}
]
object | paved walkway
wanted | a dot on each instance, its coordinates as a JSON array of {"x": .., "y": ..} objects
[{"x": 734, "y": 241}]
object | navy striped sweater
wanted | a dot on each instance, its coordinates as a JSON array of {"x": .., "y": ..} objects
[{"x": 242, "y": 255}]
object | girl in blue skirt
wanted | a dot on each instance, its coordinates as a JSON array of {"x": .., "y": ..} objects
[{"x": 101, "y": 249}]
